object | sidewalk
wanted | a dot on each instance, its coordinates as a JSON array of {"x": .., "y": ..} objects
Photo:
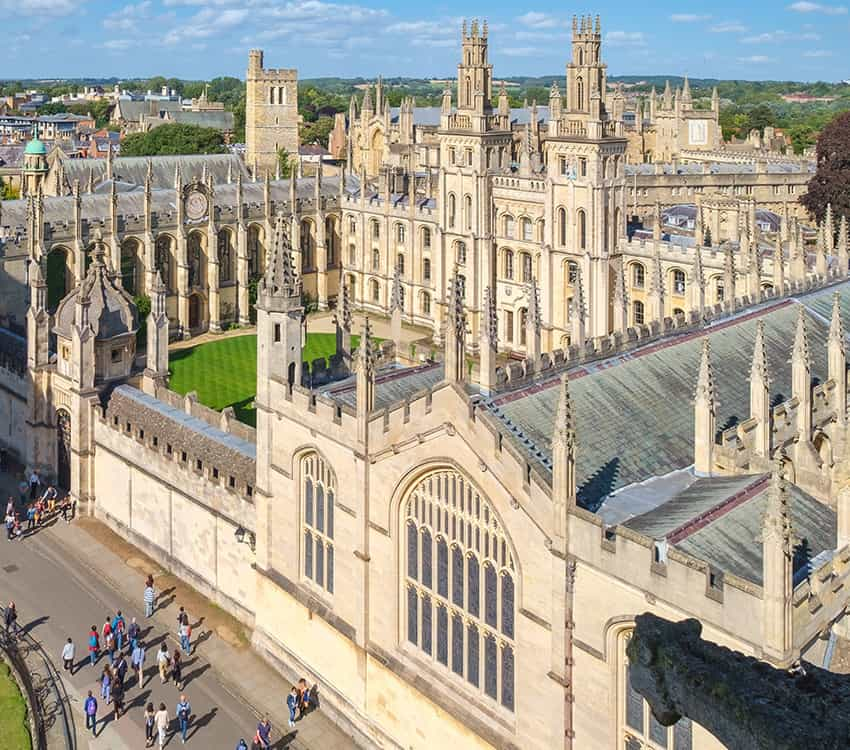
[{"x": 217, "y": 637}]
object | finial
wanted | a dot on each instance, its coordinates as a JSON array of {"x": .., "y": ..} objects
[
  {"x": 836, "y": 325},
  {"x": 565, "y": 432},
  {"x": 705, "y": 379},
  {"x": 801, "y": 339},
  {"x": 759, "y": 365}
]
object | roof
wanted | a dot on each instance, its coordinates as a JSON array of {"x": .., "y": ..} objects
[
  {"x": 218, "y": 119},
  {"x": 11, "y": 156},
  {"x": 131, "y": 110},
  {"x": 691, "y": 168},
  {"x": 393, "y": 384},
  {"x": 35, "y": 146},
  {"x": 645, "y": 397},
  {"x": 430, "y": 116}
]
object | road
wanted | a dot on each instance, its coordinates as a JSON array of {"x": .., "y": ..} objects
[{"x": 58, "y": 597}]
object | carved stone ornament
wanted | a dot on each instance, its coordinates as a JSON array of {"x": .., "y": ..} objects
[{"x": 196, "y": 205}]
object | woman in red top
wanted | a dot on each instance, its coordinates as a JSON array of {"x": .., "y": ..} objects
[{"x": 94, "y": 644}]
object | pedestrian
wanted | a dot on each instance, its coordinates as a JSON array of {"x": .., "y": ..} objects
[
  {"x": 186, "y": 637},
  {"x": 10, "y": 619},
  {"x": 10, "y": 525},
  {"x": 264, "y": 733},
  {"x": 305, "y": 697},
  {"x": 118, "y": 628},
  {"x": 161, "y": 723},
  {"x": 94, "y": 645},
  {"x": 133, "y": 633},
  {"x": 183, "y": 712},
  {"x": 90, "y": 707},
  {"x": 149, "y": 596},
  {"x": 120, "y": 669},
  {"x": 67, "y": 508},
  {"x": 118, "y": 698},
  {"x": 241, "y": 745},
  {"x": 106, "y": 684},
  {"x": 68, "y": 655},
  {"x": 182, "y": 619},
  {"x": 292, "y": 704},
  {"x": 137, "y": 660},
  {"x": 162, "y": 662},
  {"x": 34, "y": 482},
  {"x": 177, "y": 669},
  {"x": 30, "y": 517},
  {"x": 150, "y": 715}
]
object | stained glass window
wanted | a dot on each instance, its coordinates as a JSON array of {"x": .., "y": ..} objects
[{"x": 317, "y": 503}]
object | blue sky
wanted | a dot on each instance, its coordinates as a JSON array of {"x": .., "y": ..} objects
[{"x": 800, "y": 40}]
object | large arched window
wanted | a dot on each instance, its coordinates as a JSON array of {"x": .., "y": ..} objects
[
  {"x": 509, "y": 264},
  {"x": 582, "y": 229},
  {"x": 256, "y": 251},
  {"x": 308, "y": 245},
  {"x": 562, "y": 227},
  {"x": 131, "y": 267},
  {"x": 399, "y": 261},
  {"x": 197, "y": 263},
  {"x": 163, "y": 261},
  {"x": 318, "y": 490},
  {"x": 452, "y": 209},
  {"x": 460, "y": 596},
  {"x": 638, "y": 276},
  {"x": 225, "y": 256}
]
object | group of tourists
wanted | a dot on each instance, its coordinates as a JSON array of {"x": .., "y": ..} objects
[{"x": 38, "y": 504}]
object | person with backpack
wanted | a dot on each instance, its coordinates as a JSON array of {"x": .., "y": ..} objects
[
  {"x": 183, "y": 712},
  {"x": 292, "y": 704},
  {"x": 120, "y": 669},
  {"x": 186, "y": 636},
  {"x": 118, "y": 627},
  {"x": 94, "y": 645},
  {"x": 177, "y": 669},
  {"x": 137, "y": 661},
  {"x": 133, "y": 632},
  {"x": 149, "y": 724},
  {"x": 90, "y": 708},
  {"x": 108, "y": 638},
  {"x": 106, "y": 684},
  {"x": 117, "y": 698}
]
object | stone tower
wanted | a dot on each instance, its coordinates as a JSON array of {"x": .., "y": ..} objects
[
  {"x": 586, "y": 73},
  {"x": 35, "y": 166},
  {"x": 271, "y": 113}
]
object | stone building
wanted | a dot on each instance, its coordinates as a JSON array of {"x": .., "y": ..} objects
[{"x": 271, "y": 114}]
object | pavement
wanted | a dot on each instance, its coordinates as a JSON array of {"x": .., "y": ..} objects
[{"x": 63, "y": 579}]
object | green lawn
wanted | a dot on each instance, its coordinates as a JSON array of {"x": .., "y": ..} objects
[
  {"x": 14, "y": 729},
  {"x": 224, "y": 373}
]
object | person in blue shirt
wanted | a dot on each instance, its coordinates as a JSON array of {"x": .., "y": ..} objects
[
  {"x": 292, "y": 704},
  {"x": 264, "y": 733},
  {"x": 118, "y": 626},
  {"x": 183, "y": 712},
  {"x": 90, "y": 707}
]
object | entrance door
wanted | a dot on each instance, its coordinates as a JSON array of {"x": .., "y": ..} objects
[
  {"x": 194, "y": 311},
  {"x": 63, "y": 449}
]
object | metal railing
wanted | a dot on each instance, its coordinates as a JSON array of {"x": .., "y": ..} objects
[{"x": 45, "y": 690}]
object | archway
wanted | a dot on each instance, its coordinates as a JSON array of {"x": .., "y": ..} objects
[
  {"x": 63, "y": 450},
  {"x": 376, "y": 152}
]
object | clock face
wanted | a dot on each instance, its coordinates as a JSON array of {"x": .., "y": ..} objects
[{"x": 196, "y": 206}]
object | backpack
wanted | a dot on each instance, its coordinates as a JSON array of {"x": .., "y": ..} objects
[{"x": 183, "y": 711}]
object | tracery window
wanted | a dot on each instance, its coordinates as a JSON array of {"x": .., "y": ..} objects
[
  {"x": 459, "y": 584},
  {"x": 527, "y": 272},
  {"x": 525, "y": 224},
  {"x": 678, "y": 282},
  {"x": 509, "y": 264},
  {"x": 196, "y": 265},
  {"x": 255, "y": 251},
  {"x": 318, "y": 490},
  {"x": 225, "y": 256},
  {"x": 162, "y": 260},
  {"x": 426, "y": 238},
  {"x": 307, "y": 245}
]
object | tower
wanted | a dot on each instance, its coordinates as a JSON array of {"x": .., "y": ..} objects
[
  {"x": 271, "y": 113},
  {"x": 474, "y": 72},
  {"x": 35, "y": 166},
  {"x": 586, "y": 73}
]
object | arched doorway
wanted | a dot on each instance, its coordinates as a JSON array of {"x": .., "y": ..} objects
[
  {"x": 195, "y": 312},
  {"x": 63, "y": 450}
]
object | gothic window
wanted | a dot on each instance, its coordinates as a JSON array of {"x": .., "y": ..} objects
[
  {"x": 582, "y": 229},
  {"x": 331, "y": 240},
  {"x": 719, "y": 290},
  {"x": 376, "y": 229},
  {"x": 526, "y": 267},
  {"x": 426, "y": 238},
  {"x": 525, "y": 225},
  {"x": 678, "y": 282},
  {"x": 541, "y": 230},
  {"x": 162, "y": 260},
  {"x": 225, "y": 256},
  {"x": 467, "y": 210},
  {"x": 352, "y": 255},
  {"x": 579, "y": 94},
  {"x": 638, "y": 276},
  {"x": 426, "y": 269},
  {"x": 318, "y": 490},
  {"x": 452, "y": 209},
  {"x": 399, "y": 261},
  {"x": 375, "y": 291},
  {"x": 562, "y": 227},
  {"x": 572, "y": 272},
  {"x": 376, "y": 259},
  {"x": 196, "y": 265},
  {"x": 460, "y": 252},
  {"x": 426, "y": 303},
  {"x": 509, "y": 226},
  {"x": 509, "y": 326},
  {"x": 307, "y": 246},
  {"x": 130, "y": 267},
  {"x": 352, "y": 225},
  {"x": 459, "y": 585},
  {"x": 509, "y": 264},
  {"x": 255, "y": 252},
  {"x": 637, "y": 315},
  {"x": 400, "y": 233}
]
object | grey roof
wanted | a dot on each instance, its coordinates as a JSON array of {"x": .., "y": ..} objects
[
  {"x": 218, "y": 119},
  {"x": 691, "y": 168},
  {"x": 645, "y": 397},
  {"x": 430, "y": 116},
  {"x": 731, "y": 542},
  {"x": 12, "y": 157},
  {"x": 393, "y": 384},
  {"x": 130, "y": 110}
]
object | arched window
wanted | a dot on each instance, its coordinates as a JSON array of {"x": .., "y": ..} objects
[
  {"x": 460, "y": 252},
  {"x": 582, "y": 229},
  {"x": 637, "y": 312},
  {"x": 376, "y": 229},
  {"x": 307, "y": 245},
  {"x": 59, "y": 274},
  {"x": 426, "y": 269},
  {"x": 399, "y": 261},
  {"x": 352, "y": 225},
  {"x": 562, "y": 227},
  {"x": 225, "y": 256},
  {"x": 131, "y": 268},
  {"x": 375, "y": 291},
  {"x": 678, "y": 282},
  {"x": 331, "y": 241},
  {"x": 719, "y": 290},
  {"x": 572, "y": 272},
  {"x": 400, "y": 233},
  {"x": 541, "y": 230},
  {"x": 525, "y": 225},
  {"x": 162, "y": 261},
  {"x": 256, "y": 259},
  {"x": 509, "y": 264},
  {"x": 460, "y": 596},
  {"x": 426, "y": 238},
  {"x": 318, "y": 492},
  {"x": 426, "y": 303},
  {"x": 467, "y": 212},
  {"x": 579, "y": 94},
  {"x": 452, "y": 209},
  {"x": 196, "y": 261},
  {"x": 638, "y": 276},
  {"x": 527, "y": 272},
  {"x": 376, "y": 259},
  {"x": 509, "y": 226}
]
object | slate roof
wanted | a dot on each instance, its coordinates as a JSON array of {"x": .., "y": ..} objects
[
  {"x": 634, "y": 412},
  {"x": 218, "y": 119},
  {"x": 131, "y": 109},
  {"x": 12, "y": 156},
  {"x": 719, "y": 168},
  {"x": 393, "y": 384}
]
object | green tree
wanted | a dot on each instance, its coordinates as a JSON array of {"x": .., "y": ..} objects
[
  {"x": 174, "y": 138},
  {"x": 143, "y": 307},
  {"x": 285, "y": 162},
  {"x": 318, "y": 131},
  {"x": 9, "y": 192}
]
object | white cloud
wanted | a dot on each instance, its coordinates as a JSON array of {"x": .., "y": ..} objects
[
  {"x": 769, "y": 37},
  {"x": 818, "y": 53},
  {"x": 804, "y": 6},
  {"x": 688, "y": 17},
  {"x": 625, "y": 39},
  {"x": 127, "y": 18},
  {"x": 728, "y": 27},
  {"x": 205, "y": 23},
  {"x": 40, "y": 7},
  {"x": 756, "y": 59},
  {"x": 117, "y": 45},
  {"x": 536, "y": 20}
]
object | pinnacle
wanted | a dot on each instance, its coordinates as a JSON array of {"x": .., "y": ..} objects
[
  {"x": 564, "y": 420},
  {"x": 759, "y": 366},
  {"x": 280, "y": 277},
  {"x": 705, "y": 379},
  {"x": 801, "y": 339},
  {"x": 836, "y": 325}
]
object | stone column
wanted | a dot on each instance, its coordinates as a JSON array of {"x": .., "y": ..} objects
[{"x": 214, "y": 301}]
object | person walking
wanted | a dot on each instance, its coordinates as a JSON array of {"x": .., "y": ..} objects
[
  {"x": 106, "y": 684},
  {"x": 162, "y": 662},
  {"x": 10, "y": 619},
  {"x": 90, "y": 708},
  {"x": 68, "y": 656},
  {"x": 10, "y": 525},
  {"x": 292, "y": 704},
  {"x": 120, "y": 669},
  {"x": 137, "y": 660},
  {"x": 150, "y": 715},
  {"x": 34, "y": 483},
  {"x": 149, "y": 597},
  {"x": 94, "y": 645},
  {"x": 183, "y": 712},
  {"x": 161, "y": 724},
  {"x": 177, "y": 669},
  {"x": 185, "y": 636},
  {"x": 241, "y": 745},
  {"x": 264, "y": 733},
  {"x": 118, "y": 698},
  {"x": 118, "y": 627},
  {"x": 133, "y": 631},
  {"x": 30, "y": 517}
]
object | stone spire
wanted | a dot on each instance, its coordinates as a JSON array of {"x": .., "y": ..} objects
[
  {"x": 801, "y": 378},
  {"x": 38, "y": 319},
  {"x": 842, "y": 250},
  {"x": 798, "y": 254},
  {"x": 578, "y": 312},
  {"x": 533, "y": 325},
  {"x": 656, "y": 288},
  {"x": 90, "y": 183},
  {"x": 667, "y": 97},
  {"x": 687, "y": 100},
  {"x": 563, "y": 465},
  {"x": 821, "y": 260},
  {"x": 698, "y": 283},
  {"x": 705, "y": 414},
  {"x": 396, "y": 307},
  {"x": 829, "y": 230},
  {"x": 836, "y": 353},
  {"x": 488, "y": 332},
  {"x": 657, "y": 222},
  {"x": 754, "y": 271},
  {"x": 621, "y": 300},
  {"x": 729, "y": 291},
  {"x": 280, "y": 279},
  {"x": 156, "y": 365},
  {"x": 778, "y": 267},
  {"x": 455, "y": 343},
  {"x": 760, "y": 394},
  {"x": 365, "y": 365}
]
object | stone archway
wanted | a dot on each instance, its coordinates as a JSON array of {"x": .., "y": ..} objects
[{"x": 63, "y": 450}]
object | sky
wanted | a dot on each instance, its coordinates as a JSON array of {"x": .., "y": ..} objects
[{"x": 800, "y": 40}]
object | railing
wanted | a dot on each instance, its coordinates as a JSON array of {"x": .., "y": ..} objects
[{"x": 46, "y": 692}]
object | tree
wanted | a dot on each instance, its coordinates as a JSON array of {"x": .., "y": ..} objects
[
  {"x": 9, "y": 192},
  {"x": 286, "y": 164},
  {"x": 317, "y": 132},
  {"x": 174, "y": 138},
  {"x": 831, "y": 183}
]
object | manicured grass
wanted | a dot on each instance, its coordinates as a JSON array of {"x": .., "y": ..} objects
[
  {"x": 224, "y": 373},
  {"x": 14, "y": 730}
]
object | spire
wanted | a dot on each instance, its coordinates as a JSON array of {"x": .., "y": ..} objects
[
  {"x": 565, "y": 433},
  {"x": 777, "y": 525},
  {"x": 801, "y": 351},
  {"x": 621, "y": 300},
  {"x": 829, "y": 229},
  {"x": 488, "y": 342},
  {"x": 490, "y": 321},
  {"x": 836, "y": 352},
  {"x": 396, "y": 306},
  {"x": 667, "y": 97},
  {"x": 455, "y": 330},
  {"x": 778, "y": 267},
  {"x": 842, "y": 249},
  {"x": 729, "y": 292},
  {"x": 705, "y": 414},
  {"x": 578, "y": 312},
  {"x": 533, "y": 325},
  {"x": 760, "y": 409},
  {"x": 705, "y": 378},
  {"x": 686, "y": 92},
  {"x": 345, "y": 317},
  {"x": 759, "y": 365},
  {"x": 280, "y": 279}
]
